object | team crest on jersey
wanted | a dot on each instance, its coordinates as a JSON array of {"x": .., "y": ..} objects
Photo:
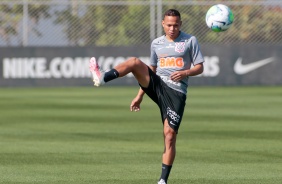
[{"x": 179, "y": 47}]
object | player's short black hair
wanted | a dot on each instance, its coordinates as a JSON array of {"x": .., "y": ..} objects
[{"x": 172, "y": 12}]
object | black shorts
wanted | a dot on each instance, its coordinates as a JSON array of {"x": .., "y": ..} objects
[{"x": 171, "y": 102}]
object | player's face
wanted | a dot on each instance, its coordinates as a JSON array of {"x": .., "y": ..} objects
[{"x": 171, "y": 25}]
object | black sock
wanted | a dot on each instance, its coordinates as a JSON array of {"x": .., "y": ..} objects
[
  {"x": 111, "y": 75},
  {"x": 165, "y": 172}
]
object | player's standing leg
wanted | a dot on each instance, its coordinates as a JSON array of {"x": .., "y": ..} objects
[{"x": 169, "y": 152}]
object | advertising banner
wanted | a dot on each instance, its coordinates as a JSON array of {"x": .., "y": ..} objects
[{"x": 225, "y": 65}]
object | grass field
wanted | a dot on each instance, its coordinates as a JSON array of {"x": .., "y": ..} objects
[{"x": 229, "y": 135}]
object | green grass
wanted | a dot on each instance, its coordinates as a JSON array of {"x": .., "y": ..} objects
[{"x": 229, "y": 135}]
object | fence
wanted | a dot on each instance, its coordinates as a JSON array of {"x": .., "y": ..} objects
[{"x": 131, "y": 22}]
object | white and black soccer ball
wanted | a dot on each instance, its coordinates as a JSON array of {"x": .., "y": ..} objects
[{"x": 219, "y": 18}]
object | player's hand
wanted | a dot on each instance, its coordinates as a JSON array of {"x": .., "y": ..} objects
[
  {"x": 135, "y": 104},
  {"x": 178, "y": 76}
]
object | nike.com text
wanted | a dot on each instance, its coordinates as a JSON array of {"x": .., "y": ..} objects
[{"x": 67, "y": 67}]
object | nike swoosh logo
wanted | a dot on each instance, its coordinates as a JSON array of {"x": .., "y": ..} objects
[
  {"x": 241, "y": 69},
  {"x": 172, "y": 123}
]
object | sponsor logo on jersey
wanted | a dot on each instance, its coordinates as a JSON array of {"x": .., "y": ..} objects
[
  {"x": 179, "y": 47},
  {"x": 171, "y": 62}
]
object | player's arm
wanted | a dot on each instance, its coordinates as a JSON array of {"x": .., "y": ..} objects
[
  {"x": 179, "y": 75},
  {"x": 135, "y": 104},
  {"x": 196, "y": 70}
]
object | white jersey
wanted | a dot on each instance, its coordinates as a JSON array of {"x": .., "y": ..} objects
[{"x": 178, "y": 55}]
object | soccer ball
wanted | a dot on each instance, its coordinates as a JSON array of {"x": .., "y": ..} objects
[{"x": 219, "y": 18}]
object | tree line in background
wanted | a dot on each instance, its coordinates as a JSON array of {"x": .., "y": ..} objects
[
  {"x": 11, "y": 20},
  {"x": 101, "y": 25}
]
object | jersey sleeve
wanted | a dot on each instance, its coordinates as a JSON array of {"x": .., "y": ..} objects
[
  {"x": 195, "y": 52},
  {"x": 153, "y": 57}
]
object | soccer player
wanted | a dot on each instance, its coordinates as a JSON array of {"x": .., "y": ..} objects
[{"x": 165, "y": 81}]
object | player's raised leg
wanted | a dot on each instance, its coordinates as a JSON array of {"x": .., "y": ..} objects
[
  {"x": 133, "y": 65},
  {"x": 97, "y": 73}
]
